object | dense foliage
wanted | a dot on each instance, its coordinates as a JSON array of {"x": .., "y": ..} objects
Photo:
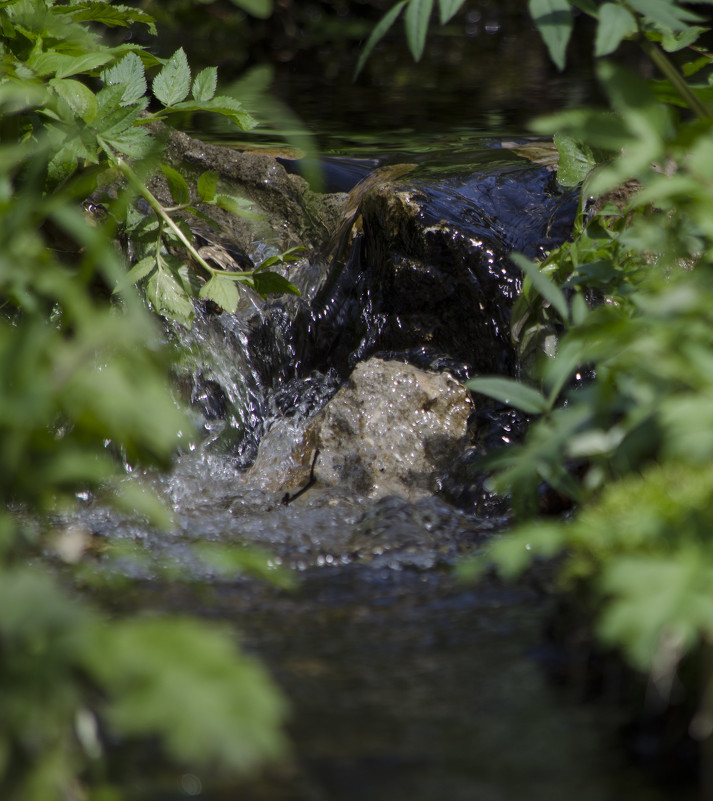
[
  {"x": 83, "y": 379},
  {"x": 627, "y": 302}
]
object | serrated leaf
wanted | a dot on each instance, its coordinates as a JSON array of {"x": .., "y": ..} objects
[
  {"x": 129, "y": 73},
  {"x": 78, "y": 97},
  {"x": 380, "y": 30},
  {"x": 62, "y": 65},
  {"x": 673, "y": 41},
  {"x": 207, "y": 184},
  {"x": 205, "y": 84},
  {"x": 82, "y": 64},
  {"x": 111, "y": 15},
  {"x": 448, "y": 9},
  {"x": 173, "y": 83},
  {"x": 222, "y": 291},
  {"x": 261, "y": 9},
  {"x": 269, "y": 283},
  {"x": 553, "y": 19},
  {"x": 136, "y": 143},
  {"x": 511, "y": 392},
  {"x": 237, "y": 205},
  {"x": 112, "y": 118},
  {"x": 544, "y": 285},
  {"x": 168, "y": 298},
  {"x": 576, "y": 160},
  {"x": 226, "y": 106},
  {"x": 212, "y": 706},
  {"x": 141, "y": 269},
  {"x": 177, "y": 185},
  {"x": 418, "y": 14},
  {"x": 615, "y": 24}
]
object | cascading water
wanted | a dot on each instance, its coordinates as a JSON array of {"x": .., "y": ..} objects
[{"x": 404, "y": 683}]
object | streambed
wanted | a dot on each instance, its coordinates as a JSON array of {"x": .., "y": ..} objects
[{"x": 403, "y": 682}]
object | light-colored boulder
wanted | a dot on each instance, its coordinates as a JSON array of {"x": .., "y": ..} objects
[{"x": 390, "y": 429}]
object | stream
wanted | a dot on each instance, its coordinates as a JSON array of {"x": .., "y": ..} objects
[{"x": 403, "y": 682}]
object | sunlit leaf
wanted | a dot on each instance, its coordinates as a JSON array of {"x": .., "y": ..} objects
[
  {"x": 80, "y": 98},
  {"x": 139, "y": 271},
  {"x": 168, "y": 297},
  {"x": 129, "y": 73},
  {"x": 173, "y": 82},
  {"x": 205, "y": 84},
  {"x": 222, "y": 291},
  {"x": 576, "y": 160}
]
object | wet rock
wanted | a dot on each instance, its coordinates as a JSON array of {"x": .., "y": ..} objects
[
  {"x": 425, "y": 265},
  {"x": 390, "y": 429},
  {"x": 291, "y": 213}
]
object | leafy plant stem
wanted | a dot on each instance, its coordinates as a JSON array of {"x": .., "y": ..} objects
[
  {"x": 654, "y": 52},
  {"x": 163, "y": 215}
]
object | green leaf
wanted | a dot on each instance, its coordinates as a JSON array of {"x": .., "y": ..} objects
[
  {"x": 205, "y": 84},
  {"x": 173, "y": 83},
  {"x": 615, "y": 23},
  {"x": 418, "y": 13},
  {"x": 63, "y": 65},
  {"x": 512, "y": 392},
  {"x": 664, "y": 12},
  {"x": 111, "y": 15},
  {"x": 138, "y": 272},
  {"x": 380, "y": 30},
  {"x": 211, "y": 705},
  {"x": 448, "y": 9},
  {"x": 168, "y": 298},
  {"x": 177, "y": 186},
  {"x": 588, "y": 6},
  {"x": 129, "y": 73},
  {"x": 237, "y": 205},
  {"x": 576, "y": 160},
  {"x": 227, "y": 106},
  {"x": 136, "y": 143},
  {"x": 269, "y": 283},
  {"x": 112, "y": 118},
  {"x": 673, "y": 41},
  {"x": 553, "y": 19},
  {"x": 546, "y": 287},
  {"x": 78, "y": 97},
  {"x": 207, "y": 184},
  {"x": 291, "y": 254},
  {"x": 256, "y": 8},
  {"x": 222, "y": 291}
]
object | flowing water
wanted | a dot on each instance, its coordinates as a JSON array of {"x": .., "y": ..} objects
[{"x": 403, "y": 682}]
